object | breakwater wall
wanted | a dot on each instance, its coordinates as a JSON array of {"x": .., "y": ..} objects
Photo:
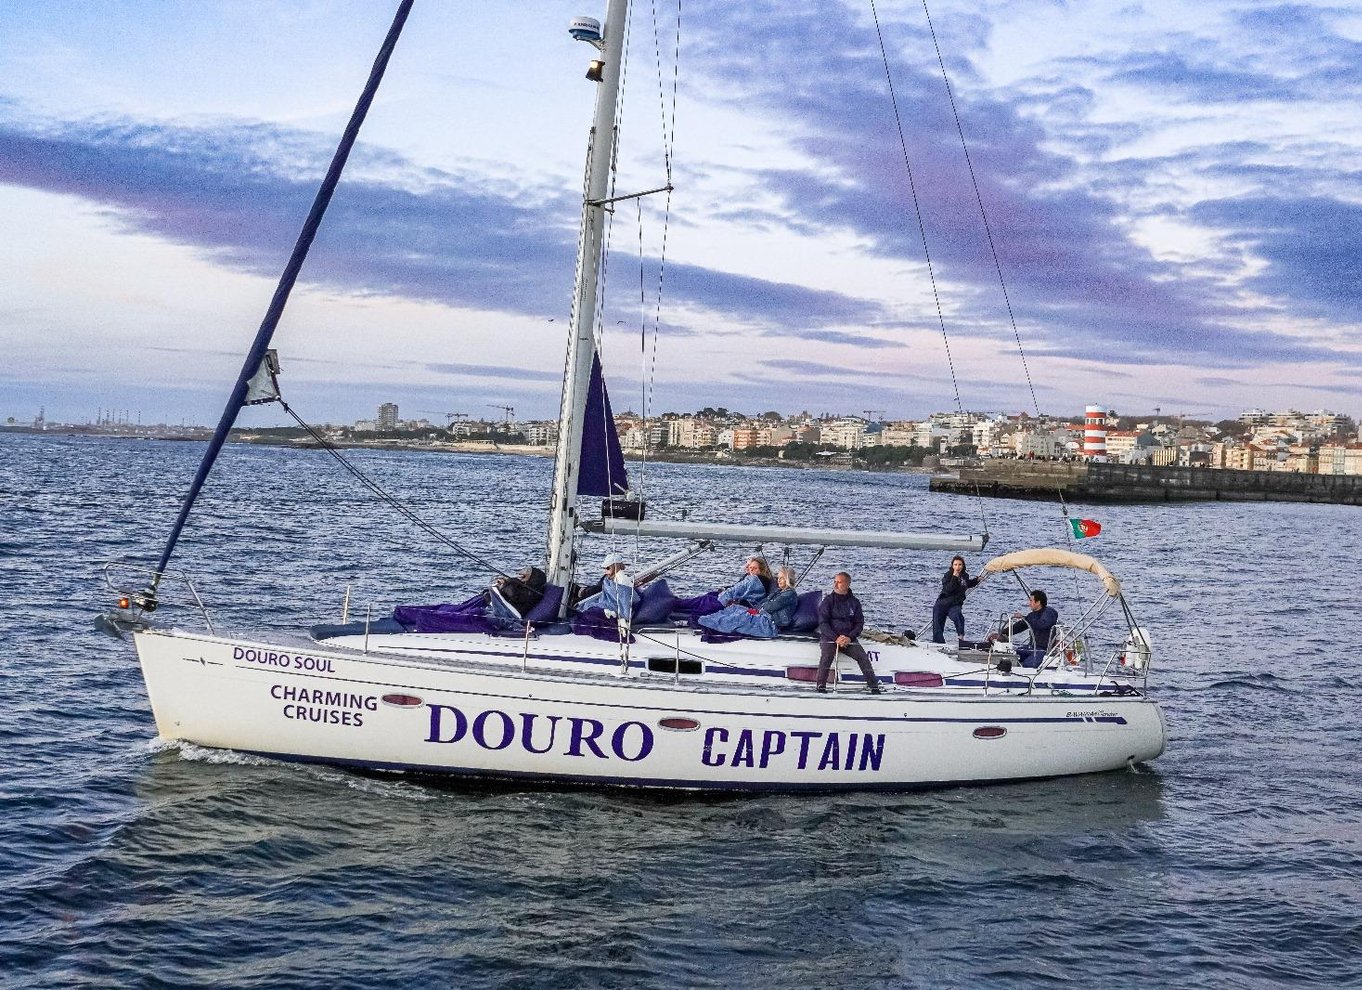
[{"x": 1094, "y": 482}]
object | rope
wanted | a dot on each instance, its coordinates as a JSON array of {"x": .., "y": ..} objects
[
  {"x": 378, "y": 490},
  {"x": 922, "y": 231}
]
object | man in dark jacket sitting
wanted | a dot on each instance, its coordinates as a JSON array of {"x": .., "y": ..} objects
[
  {"x": 1040, "y": 622},
  {"x": 840, "y": 622}
]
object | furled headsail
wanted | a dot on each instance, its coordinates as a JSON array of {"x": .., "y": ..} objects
[{"x": 602, "y": 467}]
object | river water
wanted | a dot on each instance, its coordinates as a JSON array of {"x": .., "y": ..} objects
[{"x": 1235, "y": 860}]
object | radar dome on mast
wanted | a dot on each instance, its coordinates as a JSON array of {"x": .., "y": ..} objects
[{"x": 585, "y": 29}]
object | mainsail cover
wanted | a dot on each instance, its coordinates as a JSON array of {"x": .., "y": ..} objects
[{"x": 602, "y": 467}]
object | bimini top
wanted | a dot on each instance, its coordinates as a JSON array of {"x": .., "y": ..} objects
[{"x": 1051, "y": 557}]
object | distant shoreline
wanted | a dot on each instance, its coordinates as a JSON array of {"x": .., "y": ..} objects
[
  {"x": 523, "y": 450},
  {"x": 485, "y": 447}
]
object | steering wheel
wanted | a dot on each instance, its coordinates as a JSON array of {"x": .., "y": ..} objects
[{"x": 1002, "y": 629}]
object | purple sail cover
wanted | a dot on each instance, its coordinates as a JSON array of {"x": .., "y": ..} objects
[
  {"x": 602, "y": 467},
  {"x": 469, "y": 616},
  {"x": 547, "y": 609},
  {"x": 655, "y": 604},
  {"x": 693, "y": 608},
  {"x": 806, "y": 613},
  {"x": 595, "y": 623}
]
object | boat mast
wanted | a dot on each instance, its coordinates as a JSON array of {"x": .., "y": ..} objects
[{"x": 581, "y": 336}]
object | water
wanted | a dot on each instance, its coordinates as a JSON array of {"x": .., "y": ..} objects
[{"x": 1233, "y": 860}]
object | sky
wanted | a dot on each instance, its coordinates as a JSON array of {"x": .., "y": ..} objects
[{"x": 1171, "y": 211}]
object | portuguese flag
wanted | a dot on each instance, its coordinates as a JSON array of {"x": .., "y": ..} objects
[{"x": 1083, "y": 528}]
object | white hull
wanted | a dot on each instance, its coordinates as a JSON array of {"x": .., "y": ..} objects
[{"x": 484, "y": 707}]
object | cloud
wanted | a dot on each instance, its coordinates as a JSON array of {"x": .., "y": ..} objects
[
  {"x": 819, "y": 370},
  {"x": 1180, "y": 78},
  {"x": 493, "y": 371},
  {"x": 1340, "y": 388},
  {"x": 1312, "y": 247},
  {"x": 239, "y": 192},
  {"x": 1067, "y": 185},
  {"x": 1101, "y": 372},
  {"x": 1078, "y": 277},
  {"x": 779, "y": 308}
]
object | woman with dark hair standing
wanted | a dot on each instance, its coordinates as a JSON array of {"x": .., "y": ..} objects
[{"x": 954, "y": 586}]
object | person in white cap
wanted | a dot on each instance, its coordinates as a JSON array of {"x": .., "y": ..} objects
[{"x": 617, "y": 596}]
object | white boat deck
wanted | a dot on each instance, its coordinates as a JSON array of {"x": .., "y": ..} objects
[{"x": 784, "y": 665}]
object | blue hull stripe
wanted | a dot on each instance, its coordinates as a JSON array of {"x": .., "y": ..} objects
[{"x": 516, "y": 776}]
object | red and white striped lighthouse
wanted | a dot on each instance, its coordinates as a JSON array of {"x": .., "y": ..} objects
[{"x": 1095, "y": 433}]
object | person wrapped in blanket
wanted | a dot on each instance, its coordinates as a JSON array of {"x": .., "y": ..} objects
[
  {"x": 512, "y": 597},
  {"x": 764, "y": 620},
  {"x": 617, "y": 596},
  {"x": 753, "y": 587}
]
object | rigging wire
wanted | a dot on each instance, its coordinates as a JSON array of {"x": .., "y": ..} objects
[
  {"x": 922, "y": 231},
  {"x": 598, "y": 318},
  {"x": 649, "y": 361},
  {"x": 997, "y": 263},
  {"x": 648, "y": 357},
  {"x": 979, "y": 199},
  {"x": 993, "y": 251},
  {"x": 378, "y": 490}
]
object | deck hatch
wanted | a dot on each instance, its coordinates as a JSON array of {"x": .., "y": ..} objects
[{"x": 667, "y": 665}]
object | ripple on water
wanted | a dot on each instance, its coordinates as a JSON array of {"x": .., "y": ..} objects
[{"x": 1231, "y": 861}]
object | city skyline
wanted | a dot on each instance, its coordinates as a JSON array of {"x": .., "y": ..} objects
[
  {"x": 1176, "y": 228},
  {"x": 388, "y": 416}
]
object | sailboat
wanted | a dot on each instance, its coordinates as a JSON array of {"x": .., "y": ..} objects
[{"x": 655, "y": 703}]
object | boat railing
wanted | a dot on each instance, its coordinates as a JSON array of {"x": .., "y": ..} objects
[
  {"x": 1071, "y": 649},
  {"x": 140, "y": 591}
]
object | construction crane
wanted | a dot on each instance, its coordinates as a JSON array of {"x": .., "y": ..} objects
[
  {"x": 508, "y": 410},
  {"x": 874, "y": 415},
  {"x": 451, "y": 416}
]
